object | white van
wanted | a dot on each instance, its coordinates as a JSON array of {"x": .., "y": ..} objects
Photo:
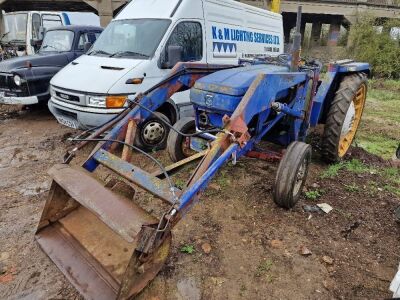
[
  {"x": 21, "y": 32},
  {"x": 137, "y": 45}
]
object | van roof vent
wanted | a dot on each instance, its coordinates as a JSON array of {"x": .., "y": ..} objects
[{"x": 112, "y": 68}]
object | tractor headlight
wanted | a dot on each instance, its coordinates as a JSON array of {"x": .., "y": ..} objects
[
  {"x": 97, "y": 101},
  {"x": 18, "y": 80}
]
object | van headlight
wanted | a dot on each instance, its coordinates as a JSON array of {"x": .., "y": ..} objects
[
  {"x": 52, "y": 92},
  {"x": 116, "y": 101},
  {"x": 97, "y": 101},
  {"x": 18, "y": 80},
  {"x": 107, "y": 101}
]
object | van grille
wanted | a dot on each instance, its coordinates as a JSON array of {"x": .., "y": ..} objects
[
  {"x": 67, "y": 97},
  {"x": 4, "y": 82},
  {"x": 67, "y": 113}
]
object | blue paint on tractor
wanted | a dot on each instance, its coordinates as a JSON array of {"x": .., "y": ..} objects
[{"x": 235, "y": 82}]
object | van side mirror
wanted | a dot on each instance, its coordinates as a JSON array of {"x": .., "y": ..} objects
[
  {"x": 36, "y": 43},
  {"x": 175, "y": 54},
  {"x": 87, "y": 47}
]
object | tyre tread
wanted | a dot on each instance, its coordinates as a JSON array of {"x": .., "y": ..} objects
[{"x": 337, "y": 114}]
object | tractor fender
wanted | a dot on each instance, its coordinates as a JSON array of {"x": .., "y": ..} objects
[{"x": 330, "y": 85}]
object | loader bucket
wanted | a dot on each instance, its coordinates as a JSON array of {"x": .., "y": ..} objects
[{"x": 91, "y": 234}]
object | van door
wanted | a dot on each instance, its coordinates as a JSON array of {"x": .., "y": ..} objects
[
  {"x": 189, "y": 35},
  {"x": 35, "y": 31}
]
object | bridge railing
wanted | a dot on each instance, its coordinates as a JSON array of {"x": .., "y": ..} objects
[{"x": 387, "y": 3}]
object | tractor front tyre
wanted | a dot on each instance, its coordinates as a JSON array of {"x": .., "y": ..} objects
[
  {"x": 344, "y": 117},
  {"x": 178, "y": 146},
  {"x": 292, "y": 174}
]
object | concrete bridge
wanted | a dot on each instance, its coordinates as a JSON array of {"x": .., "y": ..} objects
[
  {"x": 106, "y": 9},
  {"x": 337, "y": 13},
  {"x": 317, "y": 12}
]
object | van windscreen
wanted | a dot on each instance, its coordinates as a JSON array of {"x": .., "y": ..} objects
[
  {"x": 138, "y": 38},
  {"x": 15, "y": 27}
]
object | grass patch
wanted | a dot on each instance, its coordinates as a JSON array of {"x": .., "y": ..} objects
[
  {"x": 222, "y": 179},
  {"x": 180, "y": 183},
  {"x": 379, "y": 131},
  {"x": 352, "y": 188},
  {"x": 354, "y": 166},
  {"x": 392, "y": 189},
  {"x": 313, "y": 195},
  {"x": 332, "y": 171},
  {"x": 188, "y": 249},
  {"x": 391, "y": 174},
  {"x": 380, "y": 145},
  {"x": 383, "y": 95},
  {"x": 389, "y": 84},
  {"x": 264, "y": 267}
]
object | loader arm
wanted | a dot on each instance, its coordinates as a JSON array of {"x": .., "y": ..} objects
[
  {"x": 236, "y": 142},
  {"x": 182, "y": 77}
]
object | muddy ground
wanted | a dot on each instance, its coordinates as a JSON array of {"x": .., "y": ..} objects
[{"x": 244, "y": 247}]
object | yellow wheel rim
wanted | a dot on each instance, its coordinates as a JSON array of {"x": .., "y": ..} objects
[{"x": 352, "y": 120}]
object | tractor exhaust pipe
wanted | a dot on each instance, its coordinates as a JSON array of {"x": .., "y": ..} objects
[{"x": 296, "y": 50}]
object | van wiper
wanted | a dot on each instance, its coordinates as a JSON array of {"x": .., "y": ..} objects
[
  {"x": 50, "y": 46},
  {"x": 3, "y": 36},
  {"x": 128, "y": 53},
  {"x": 98, "y": 52}
]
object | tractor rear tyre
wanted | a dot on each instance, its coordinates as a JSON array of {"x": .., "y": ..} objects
[
  {"x": 292, "y": 174},
  {"x": 178, "y": 146},
  {"x": 344, "y": 117}
]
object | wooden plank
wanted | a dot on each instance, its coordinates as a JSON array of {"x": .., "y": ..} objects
[{"x": 129, "y": 139}]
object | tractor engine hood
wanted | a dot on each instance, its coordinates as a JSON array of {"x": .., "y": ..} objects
[
  {"x": 222, "y": 91},
  {"x": 235, "y": 82},
  {"x": 38, "y": 60}
]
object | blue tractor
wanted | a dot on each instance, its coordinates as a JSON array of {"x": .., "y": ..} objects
[{"x": 107, "y": 245}]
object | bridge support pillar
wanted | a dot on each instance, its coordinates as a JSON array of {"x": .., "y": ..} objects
[
  {"x": 303, "y": 31},
  {"x": 287, "y": 28},
  {"x": 334, "y": 33},
  {"x": 105, "y": 10},
  {"x": 316, "y": 33}
]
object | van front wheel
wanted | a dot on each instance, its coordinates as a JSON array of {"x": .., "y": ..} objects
[{"x": 153, "y": 133}]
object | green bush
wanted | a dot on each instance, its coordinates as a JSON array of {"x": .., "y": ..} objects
[{"x": 377, "y": 48}]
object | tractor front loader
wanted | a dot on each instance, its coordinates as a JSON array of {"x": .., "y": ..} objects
[
  {"x": 108, "y": 246},
  {"x": 105, "y": 244}
]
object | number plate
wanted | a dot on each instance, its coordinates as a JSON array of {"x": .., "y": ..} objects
[{"x": 67, "y": 122}]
